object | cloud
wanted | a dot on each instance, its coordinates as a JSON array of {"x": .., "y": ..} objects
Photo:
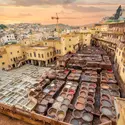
[
  {"x": 107, "y": 2},
  {"x": 58, "y": 2},
  {"x": 40, "y": 2},
  {"x": 84, "y": 9},
  {"x": 24, "y": 14}
]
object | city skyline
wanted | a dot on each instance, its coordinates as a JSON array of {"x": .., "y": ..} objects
[{"x": 41, "y": 11}]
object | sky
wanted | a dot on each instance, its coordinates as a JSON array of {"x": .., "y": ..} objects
[{"x": 72, "y": 12}]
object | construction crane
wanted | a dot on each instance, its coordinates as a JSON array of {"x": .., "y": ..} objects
[{"x": 57, "y": 18}]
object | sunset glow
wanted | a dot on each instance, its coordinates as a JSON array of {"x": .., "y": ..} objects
[{"x": 40, "y": 11}]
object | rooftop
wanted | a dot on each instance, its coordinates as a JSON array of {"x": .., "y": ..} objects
[
  {"x": 69, "y": 35},
  {"x": 40, "y": 47},
  {"x": 53, "y": 39}
]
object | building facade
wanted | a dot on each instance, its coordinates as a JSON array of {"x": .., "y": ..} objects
[
  {"x": 11, "y": 56},
  {"x": 113, "y": 41},
  {"x": 8, "y": 38},
  {"x": 39, "y": 55},
  {"x": 120, "y": 60}
]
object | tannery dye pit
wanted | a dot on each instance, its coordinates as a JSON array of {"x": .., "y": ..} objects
[{"x": 77, "y": 93}]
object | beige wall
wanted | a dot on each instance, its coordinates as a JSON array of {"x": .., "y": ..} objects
[
  {"x": 27, "y": 42},
  {"x": 65, "y": 45},
  {"x": 13, "y": 52},
  {"x": 43, "y": 54},
  {"x": 87, "y": 38},
  {"x": 45, "y": 51},
  {"x": 68, "y": 43},
  {"x": 4, "y": 62},
  {"x": 120, "y": 59}
]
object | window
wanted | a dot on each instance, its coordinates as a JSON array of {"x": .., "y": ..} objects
[
  {"x": 3, "y": 63},
  {"x": 65, "y": 48},
  {"x": 48, "y": 54},
  {"x": 30, "y": 54},
  {"x": 42, "y": 56},
  {"x": 54, "y": 52},
  {"x": 17, "y": 51},
  {"x": 123, "y": 70},
  {"x": 119, "y": 53},
  {"x": 34, "y": 54},
  {"x": 59, "y": 51},
  {"x": 11, "y": 53},
  {"x": 51, "y": 53},
  {"x": 39, "y": 55},
  {"x": 0, "y": 56}
]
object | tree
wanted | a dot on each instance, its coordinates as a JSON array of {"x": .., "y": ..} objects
[{"x": 2, "y": 26}]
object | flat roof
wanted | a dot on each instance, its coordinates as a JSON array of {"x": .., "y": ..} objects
[
  {"x": 40, "y": 47},
  {"x": 70, "y": 35}
]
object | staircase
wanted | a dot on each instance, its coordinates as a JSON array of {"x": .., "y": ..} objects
[{"x": 19, "y": 62}]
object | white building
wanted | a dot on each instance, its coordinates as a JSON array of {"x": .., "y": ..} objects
[{"x": 8, "y": 38}]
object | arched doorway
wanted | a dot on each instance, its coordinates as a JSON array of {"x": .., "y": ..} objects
[
  {"x": 69, "y": 52},
  {"x": 13, "y": 65}
]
